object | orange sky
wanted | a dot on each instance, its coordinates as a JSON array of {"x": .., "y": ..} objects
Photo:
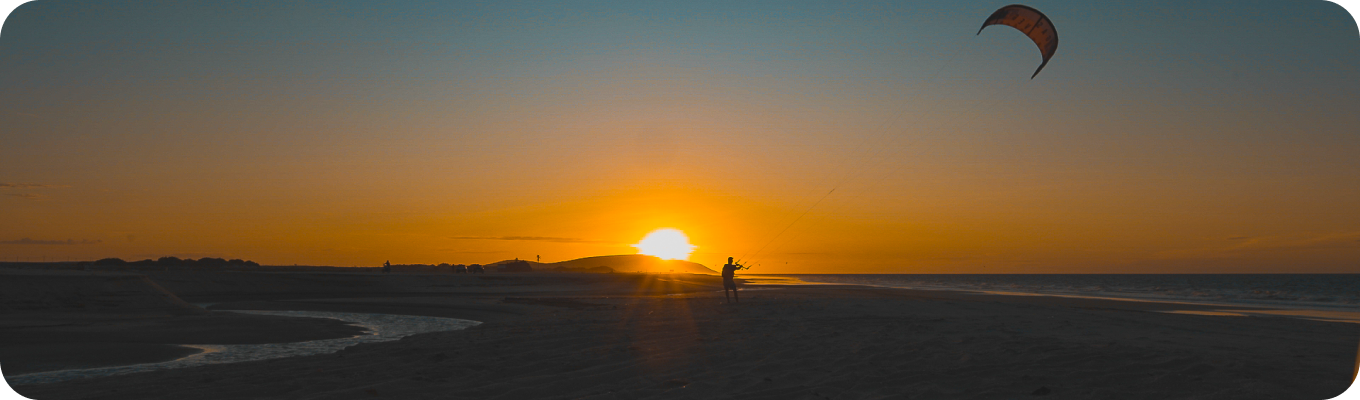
[{"x": 530, "y": 132}]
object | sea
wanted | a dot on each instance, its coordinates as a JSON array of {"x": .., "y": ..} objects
[{"x": 1332, "y": 297}]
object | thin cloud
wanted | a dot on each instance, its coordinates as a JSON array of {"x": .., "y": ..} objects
[
  {"x": 454, "y": 251},
  {"x": 528, "y": 238},
  {"x": 1246, "y": 246},
  {"x": 50, "y": 242},
  {"x": 29, "y": 185},
  {"x": 1315, "y": 242},
  {"x": 30, "y": 196},
  {"x": 177, "y": 255}
]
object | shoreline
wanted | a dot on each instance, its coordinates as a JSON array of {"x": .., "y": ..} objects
[{"x": 1314, "y": 311}]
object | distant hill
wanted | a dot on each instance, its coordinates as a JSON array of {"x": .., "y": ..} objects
[
  {"x": 635, "y": 263},
  {"x": 621, "y": 263}
]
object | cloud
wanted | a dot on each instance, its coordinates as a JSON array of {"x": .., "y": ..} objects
[
  {"x": 456, "y": 251},
  {"x": 178, "y": 255},
  {"x": 53, "y": 242},
  {"x": 1287, "y": 243},
  {"x": 30, "y": 196},
  {"x": 29, "y": 185},
  {"x": 528, "y": 238},
  {"x": 1244, "y": 246}
]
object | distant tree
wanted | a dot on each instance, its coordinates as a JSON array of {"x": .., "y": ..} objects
[
  {"x": 212, "y": 261},
  {"x": 252, "y": 264},
  {"x": 444, "y": 265},
  {"x": 110, "y": 261},
  {"x": 169, "y": 260},
  {"x": 236, "y": 261}
]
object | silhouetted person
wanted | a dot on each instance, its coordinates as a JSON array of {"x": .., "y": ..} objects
[
  {"x": 387, "y": 267},
  {"x": 729, "y": 271}
]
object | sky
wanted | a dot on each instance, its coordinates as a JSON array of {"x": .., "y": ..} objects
[{"x": 801, "y": 136}]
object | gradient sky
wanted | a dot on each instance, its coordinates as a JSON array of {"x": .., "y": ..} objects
[{"x": 1164, "y": 136}]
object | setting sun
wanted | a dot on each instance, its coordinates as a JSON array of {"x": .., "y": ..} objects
[{"x": 668, "y": 244}]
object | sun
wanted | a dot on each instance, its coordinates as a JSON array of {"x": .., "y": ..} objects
[{"x": 667, "y": 244}]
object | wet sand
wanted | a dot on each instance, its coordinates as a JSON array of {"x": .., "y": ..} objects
[
  {"x": 624, "y": 336},
  {"x": 38, "y": 343},
  {"x": 67, "y": 320}
]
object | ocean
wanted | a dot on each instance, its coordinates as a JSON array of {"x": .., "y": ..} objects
[{"x": 1320, "y": 296}]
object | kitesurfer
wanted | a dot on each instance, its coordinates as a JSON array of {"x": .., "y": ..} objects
[{"x": 729, "y": 271}]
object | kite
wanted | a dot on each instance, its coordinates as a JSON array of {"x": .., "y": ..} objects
[{"x": 1032, "y": 23}]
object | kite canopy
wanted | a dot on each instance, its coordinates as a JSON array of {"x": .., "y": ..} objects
[{"x": 1032, "y": 23}]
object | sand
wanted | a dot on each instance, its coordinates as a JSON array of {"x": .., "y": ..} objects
[
  {"x": 67, "y": 320},
  {"x": 624, "y": 336}
]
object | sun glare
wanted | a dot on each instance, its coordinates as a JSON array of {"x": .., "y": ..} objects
[{"x": 667, "y": 244}]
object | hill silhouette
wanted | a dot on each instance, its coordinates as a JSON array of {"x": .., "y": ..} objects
[
  {"x": 636, "y": 263},
  {"x": 624, "y": 263}
]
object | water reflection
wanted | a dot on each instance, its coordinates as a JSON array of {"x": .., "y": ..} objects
[{"x": 381, "y": 328}]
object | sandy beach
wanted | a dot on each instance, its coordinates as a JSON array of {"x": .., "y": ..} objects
[{"x": 629, "y": 336}]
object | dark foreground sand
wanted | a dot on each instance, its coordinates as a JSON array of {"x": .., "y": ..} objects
[
  {"x": 67, "y": 320},
  {"x": 626, "y": 336}
]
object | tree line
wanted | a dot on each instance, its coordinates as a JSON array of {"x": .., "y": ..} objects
[{"x": 178, "y": 262}]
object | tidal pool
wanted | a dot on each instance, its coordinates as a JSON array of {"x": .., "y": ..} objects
[{"x": 381, "y": 328}]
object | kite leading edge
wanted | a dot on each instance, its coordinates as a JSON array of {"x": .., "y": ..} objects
[{"x": 1032, "y": 23}]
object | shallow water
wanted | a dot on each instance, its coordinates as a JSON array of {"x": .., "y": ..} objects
[
  {"x": 1327, "y": 297},
  {"x": 381, "y": 328}
]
